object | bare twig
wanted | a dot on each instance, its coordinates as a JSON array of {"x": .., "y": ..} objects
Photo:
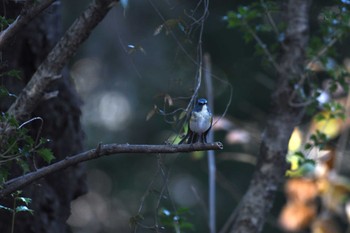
[
  {"x": 270, "y": 19},
  {"x": 23, "y": 19},
  {"x": 326, "y": 48},
  {"x": 263, "y": 47},
  {"x": 102, "y": 150},
  {"x": 49, "y": 70}
]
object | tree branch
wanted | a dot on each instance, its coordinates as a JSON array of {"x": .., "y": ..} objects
[
  {"x": 253, "y": 209},
  {"x": 50, "y": 69},
  {"x": 23, "y": 19},
  {"x": 102, "y": 150}
]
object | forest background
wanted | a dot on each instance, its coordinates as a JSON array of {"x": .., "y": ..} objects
[{"x": 137, "y": 67}]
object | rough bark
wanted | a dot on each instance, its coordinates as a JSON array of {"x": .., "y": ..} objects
[
  {"x": 51, "y": 67},
  {"x": 52, "y": 195},
  {"x": 23, "y": 19},
  {"x": 283, "y": 117}
]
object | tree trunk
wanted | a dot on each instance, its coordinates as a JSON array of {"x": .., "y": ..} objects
[
  {"x": 270, "y": 171},
  {"x": 52, "y": 195}
]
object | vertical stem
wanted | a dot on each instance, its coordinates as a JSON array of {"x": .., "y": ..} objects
[
  {"x": 13, "y": 215},
  {"x": 212, "y": 191},
  {"x": 211, "y": 154}
]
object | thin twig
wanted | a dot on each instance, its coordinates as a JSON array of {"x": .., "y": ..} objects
[
  {"x": 172, "y": 34},
  {"x": 270, "y": 19},
  {"x": 103, "y": 150},
  {"x": 264, "y": 47},
  {"x": 143, "y": 198},
  {"x": 325, "y": 49}
]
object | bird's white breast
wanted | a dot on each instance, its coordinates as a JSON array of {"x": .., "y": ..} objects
[{"x": 200, "y": 121}]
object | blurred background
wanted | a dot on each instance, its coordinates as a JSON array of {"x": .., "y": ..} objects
[{"x": 122, "y": 71}]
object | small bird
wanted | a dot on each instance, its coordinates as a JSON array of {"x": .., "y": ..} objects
[{"x": 200, "y": 123}]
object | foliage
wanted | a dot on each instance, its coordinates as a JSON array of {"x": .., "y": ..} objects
[
  {"x": 170, "y": 24},
  {"x": 251, "y": 20},
  {"x": 176, "y": 219},
  {"x": 17, "y": 146},
  {"x": 300, "y": 166},
  {"x": 20, "y": 204},
  {"x": 25, "y": 201},
  {"x": 9, "y": 74},
  {"x": 321, "y": 89},
  {"x": 4, "y": 22},
  {"x": 258, "y": 20}
]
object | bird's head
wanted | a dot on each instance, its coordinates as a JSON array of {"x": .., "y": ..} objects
[{"x": 200, "y": 103}]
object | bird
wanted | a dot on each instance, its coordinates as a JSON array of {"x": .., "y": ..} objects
[{"x": 199, "y": 124}]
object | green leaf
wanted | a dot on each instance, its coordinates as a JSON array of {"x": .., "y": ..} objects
[
  {"x": 322, "y": 136},
  {"x": 135, "y": 220},
  {"x": 341, "y": 115},
  {"x": 14, "y": 74},
  {"x": 16, "y": 193},
  {"x": 5, "y": 22},
  {"x": 333, "y": 87},
  {"x": 3, "y": 91},
  {"x": 234, "y": 19},
  {"x": 311, "y": 161},
  {"x": 12, "y": 120},
  {"x": 26, "y": 200},
  {"x": 182, "y": 210},
  {"x": 3, "y": 175},
  {"x": 46, "y": 154},
  {"x": 311, "y": 108},
  {"x": 23, "y": 208},
  {"x": 187, "y": 225},
  {"x": 320, "y": 117},
  {"x": 308, "y": 146},
  {"x": 44, "y": 140},
  {"x": 6, "y": 208},
  {"x": 300, "y": 154},
  {"x": 313, "y": 137},
  {"x": 23, "y": 164}
]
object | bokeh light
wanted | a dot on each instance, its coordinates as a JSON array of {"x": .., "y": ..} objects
[{"x": 110, "y": 110}]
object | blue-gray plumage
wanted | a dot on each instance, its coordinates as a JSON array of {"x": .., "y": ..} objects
[{"x": 200, "y": 123}]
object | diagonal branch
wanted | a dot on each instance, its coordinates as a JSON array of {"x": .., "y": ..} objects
[
  {"x": 102, "y": 150},
  {"x": 263, "y": 47},
  {"x": 50, "y": 69},
  {"x": 22, "y": 20}
]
